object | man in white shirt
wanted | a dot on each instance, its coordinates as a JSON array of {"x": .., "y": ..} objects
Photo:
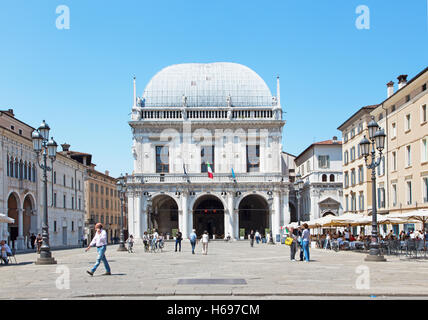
[
  {"x": 155, "y": 239},
  {"x": 205, "y": 239},
  {"x": 346, "y": 235},
  {"x": 100, "y": 241}
]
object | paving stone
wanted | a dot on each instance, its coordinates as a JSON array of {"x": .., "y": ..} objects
[{"x": 266, "y": 269}]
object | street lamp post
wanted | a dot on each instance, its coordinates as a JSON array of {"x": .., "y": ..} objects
[
  {"x": 121, "y": 188},
  {"x": 149, "y": 212},
  {"x": 299, "y": 187},
  {"x": 377, "y": 141},
  {"x": 270, "y": 201},
  {"x": 42, "y": 144}
]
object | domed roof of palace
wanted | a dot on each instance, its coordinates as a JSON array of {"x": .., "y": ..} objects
[{"x": 207, "y": 85}]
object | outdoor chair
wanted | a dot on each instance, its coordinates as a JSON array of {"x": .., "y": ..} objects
[
  {"x": 420, "y": 248},
  {"x": 395, "y": 247},
  {"x": 13, "y": 256},
  {"x": 345, "y": 245},
  {"x": 411, "y": 248},
  {"x": 384, "y": 248},
  {"x": 367, "y": 245},
  {"x": 335, "y": 245},
  {"x": 10, "y": 257}
]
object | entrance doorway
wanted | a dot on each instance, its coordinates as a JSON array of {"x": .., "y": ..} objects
[
  {"x": 253, "y": 214},
  {"x": 28, "y": 217},
  {"x": 208, "y": 215},
  {"x": 164, "y": 214},
  {"x": 12, "y": 212}
]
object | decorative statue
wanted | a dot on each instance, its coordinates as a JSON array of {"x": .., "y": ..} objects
[
  {"x": 229, "y": 101},
  {"x": 274, "y": 101},
  {"x": 184, "y": 101},
  {"x": 134, "y": 153},
  {"x": 184, "y": 113}
]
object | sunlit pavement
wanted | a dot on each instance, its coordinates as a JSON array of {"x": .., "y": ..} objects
[{"x": 266, "y": 269}]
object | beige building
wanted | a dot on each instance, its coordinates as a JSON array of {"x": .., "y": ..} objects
[
  {"x": 403, "y": 115},
  {"x": 21, "y": 189},
  {"x": 103, "y": 202},
  {"x": 402, "y": 176},
  {"x": 357, "y": 194}
]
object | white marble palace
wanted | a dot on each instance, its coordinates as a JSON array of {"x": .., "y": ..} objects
[{"x": 207, "y": 144}]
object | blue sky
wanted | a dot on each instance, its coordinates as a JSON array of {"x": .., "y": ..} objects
[{"x": 80, "y": 80}]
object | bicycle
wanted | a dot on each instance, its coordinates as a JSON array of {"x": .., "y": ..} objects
[
  {"x": 146, "y": 246},
  {"x": 130, "y": 245},
  {"x": 154, "y": 247},
  {"x": 160, "y": 245}
]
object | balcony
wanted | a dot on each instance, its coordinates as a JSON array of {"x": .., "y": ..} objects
[{"x": 203, "y": 178}]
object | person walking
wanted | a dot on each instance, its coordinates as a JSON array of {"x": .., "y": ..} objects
[
  {"x": 205, "y": 240},
  {"x": 293, "y": 245},
  {"x": 327, "y": 240},
  {"x": 193, "y": 238},
  {"x": 257, "y": 235},
  {"x": 100, "y": 241},
  {"x": 33, "y": 241},
  {"x": 146, "y": 242},
  {"x": 300, "y": 242},
  {"x": 38, "y": 242},
  {"x": 306, "y": 238},
  {"x": 130, "y": 243},
  {"x": 252, "y": 236},
  {"x": 178, "y": 238}
]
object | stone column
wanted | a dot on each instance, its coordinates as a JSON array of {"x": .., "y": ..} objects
[
  {"x": 141, "y": 214},
  {"x": 236, "y": 223},
  {"x": 276, "y": 215},
  {"x": 314, "y": 207},
  {"x": 184, "y": 217},
  {"x": 229, "y": 217},
  {"x": 285, "y": 209},
  {"x": 20, "y": 239},
  {"x": 131, "y": 216}
]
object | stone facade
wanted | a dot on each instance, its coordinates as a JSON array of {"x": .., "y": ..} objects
[
  {"x": 21, "y": 188},
  {"x": 320, "y": 166},
  {"x": 175, "y": 140}
]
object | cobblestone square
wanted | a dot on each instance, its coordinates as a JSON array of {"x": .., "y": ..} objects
[{"x": 266, "y": 269}]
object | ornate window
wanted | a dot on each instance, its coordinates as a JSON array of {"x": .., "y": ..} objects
[
  {"x": 253, "y": 158},
  {"x": 162, "y": 159}
]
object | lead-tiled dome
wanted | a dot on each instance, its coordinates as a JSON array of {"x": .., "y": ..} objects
[{"x": 207, "y": 85}]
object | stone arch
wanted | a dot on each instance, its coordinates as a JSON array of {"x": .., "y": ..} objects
[
  {"x": 163, "y": 215},
  {"x": 328, "y": 213},
  {"x": 13, "y": 207},
  {"x": 29, "y": 214},
  {"x": 208, "y": 214},
  {"x": 245, "y": 194},
  {"x": 254, "y": 213},
  {"x": 215, "y": 194}
]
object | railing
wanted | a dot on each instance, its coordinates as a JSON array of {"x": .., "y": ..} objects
[
  {"x": 409, "y": 248},
  {"x": 203, "y": 178},
  {"x": 207, "y": 114}
]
